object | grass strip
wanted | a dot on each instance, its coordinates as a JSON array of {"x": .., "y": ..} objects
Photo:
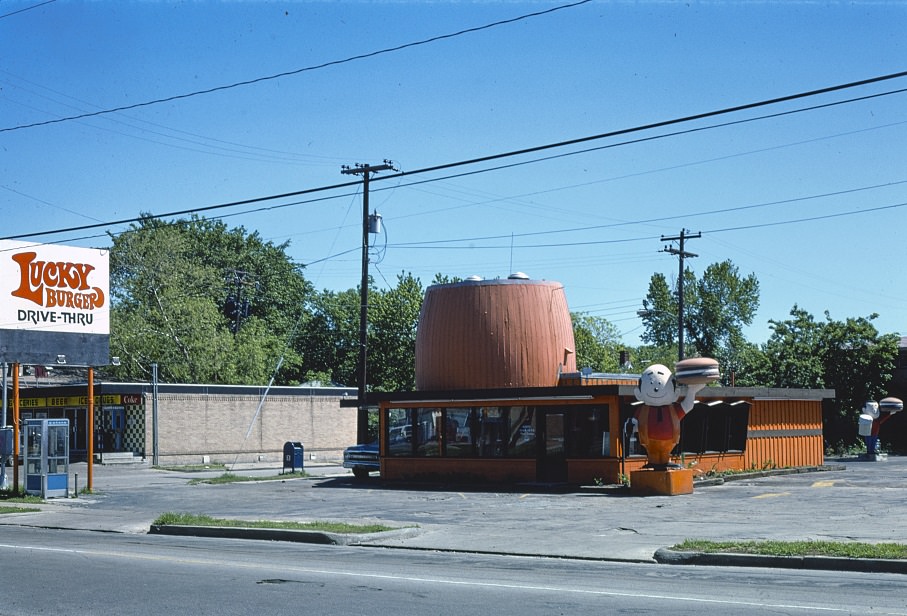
[
  {"x": 191, "y": 468},
  {"x": 7, "y": 509},
  {"x": 232, "y": 478},
  {"x": 191, "y": 519},
  {"x": 20, "y": 497},
  {"x": 896, "y": 551}
]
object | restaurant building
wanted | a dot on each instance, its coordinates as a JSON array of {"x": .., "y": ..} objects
[{"x": 499, "y": 399}]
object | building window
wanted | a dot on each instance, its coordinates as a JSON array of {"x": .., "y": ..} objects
[
  {"x": 714, "y": 429},
  {"x": 522, "y": 425},
  {"x": 400, "y": 432},
  {"x": 588, "y": 433},
  {"x": 459, "y": 440},
  {"x": 462, "y": 432},
  {"x": 426, "y": 432}
]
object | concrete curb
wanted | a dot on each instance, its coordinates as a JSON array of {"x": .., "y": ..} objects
[
  {"x": 281, "y": 534},
  {"x": 666, "y": 556},
  {"x": 619, "y": 490},
  {"x": 717, "y": 481}
]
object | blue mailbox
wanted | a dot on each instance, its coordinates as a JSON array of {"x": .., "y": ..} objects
[{"x": 46, "y": 457}]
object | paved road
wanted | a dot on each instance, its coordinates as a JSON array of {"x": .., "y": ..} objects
[
  {"x": 855, "y": 501},
  {"x": 149, "y": 575}
]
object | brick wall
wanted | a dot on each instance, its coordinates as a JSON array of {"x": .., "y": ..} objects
[{"x": 227, "y": 428}]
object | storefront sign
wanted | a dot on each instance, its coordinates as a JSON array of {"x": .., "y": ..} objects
[
  {"x": 49, "y": 287},
  {"x": 54, "y": 304},
  {"x": 79, "y": 401}
]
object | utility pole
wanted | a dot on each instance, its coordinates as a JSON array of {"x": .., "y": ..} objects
[
  {"x": 366, "y": 172},
  {"x": 680, "y": 252},
  {"x": 238, "y": 304}
]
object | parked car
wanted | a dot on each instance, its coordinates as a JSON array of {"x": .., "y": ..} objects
[
  {"x": 401, "y": 433},
  {"x": 362, "y": 458}
]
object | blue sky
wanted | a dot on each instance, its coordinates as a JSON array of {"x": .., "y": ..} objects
[{"x": 813, "y": 203}]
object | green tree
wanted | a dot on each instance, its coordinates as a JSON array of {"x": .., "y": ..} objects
[
  {"x": 742, "y": 364},
  {"x": 849, "y": 356},
  {"x": 598, "y": 343},
  {"x": 393, "y": 319},
  {"x": 646, "y": 355},
  {"x": 445, "y": 279},
  {"x": 329, "y": 339},
  {"x": 858, "y": 365},
  {"x": 793, "y": 357},
  {"x": 716, "y": 308},
  {"x": 170, "y": 284},
  {"x": 659, "y": 313}
]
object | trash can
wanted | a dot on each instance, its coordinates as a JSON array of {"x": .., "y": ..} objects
[{"x": 292, "y": 456}]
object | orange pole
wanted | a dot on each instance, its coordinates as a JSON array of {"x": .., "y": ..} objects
[
  {"x": 16, "y": 428},
  {"x": 90, "y": 429}
]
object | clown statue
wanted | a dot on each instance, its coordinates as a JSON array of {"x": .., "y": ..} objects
[
  {"x": 659, "y": 417},
  {"x": 873, "y": 415}
]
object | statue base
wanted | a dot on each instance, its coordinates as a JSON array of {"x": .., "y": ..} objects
[{"x": 650, "y": 482}]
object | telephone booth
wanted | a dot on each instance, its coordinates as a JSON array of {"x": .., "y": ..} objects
[
  {"x": 46, "y": 457},
  {"x": 6, "y": 452}
]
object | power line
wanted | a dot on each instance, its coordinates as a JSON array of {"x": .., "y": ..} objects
[
  {"x": 650, "y": 237},
  {"x": 174, "y": 136},
  {"x": 488, "y": 158},
  {"x": 577, "y": 152},
  {"x": 809, "y": 219},
  {"x": 28, "y": 8},
  {"x": 125, "y": 221},
  {"x": 613, "y": 225},
  {"x": 298, "y": 71},
  {"x": 665, "y": 123}
]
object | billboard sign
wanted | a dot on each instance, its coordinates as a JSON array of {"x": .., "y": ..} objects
[{"x": 54, "y": 304}]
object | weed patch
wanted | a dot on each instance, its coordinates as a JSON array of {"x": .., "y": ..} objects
[
  {"x": 190, "y": 519},
  {"x": 798, "y": 548}
]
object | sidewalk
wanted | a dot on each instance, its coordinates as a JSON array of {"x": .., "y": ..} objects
[{"x": 850, "y": 500}]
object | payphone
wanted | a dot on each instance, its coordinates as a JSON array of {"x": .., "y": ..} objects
[
  {"x": 46, "y": 457},
  {"x": 6, "y": 453}
]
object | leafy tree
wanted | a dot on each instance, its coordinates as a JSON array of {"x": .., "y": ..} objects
[
  {"x": 647, "y": 355},
  {"x": 329, "y": 340},
  {"x": 445, "y": 279},
  {"x": 716, "y": 308},
  {"x": 720, "y": 304},
  {"x": 859, "y": 364},
  {"x": 170, "y": 283},
  {"x": 660, "y": 313},
  {"x": 848, "y": 356},
  {"x": 598, "y": 343},
  {"x": 792, "y": 353},
  {"x": 393, "y": 319},
  {"x": 742, "y": 363}
]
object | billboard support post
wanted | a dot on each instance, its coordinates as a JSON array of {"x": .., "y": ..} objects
[
  {"x": 90, "y": 429},
  {"x": 15, "y": 428}
]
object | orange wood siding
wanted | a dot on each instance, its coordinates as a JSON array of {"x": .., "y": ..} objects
[
  {"x": 588, "y": 472},
  {"x": 784, "y": 433},
  {"x": 780, "y": 433},
  {"x": 501, "y": 470},
  {"x": 495, "y": 333}
]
